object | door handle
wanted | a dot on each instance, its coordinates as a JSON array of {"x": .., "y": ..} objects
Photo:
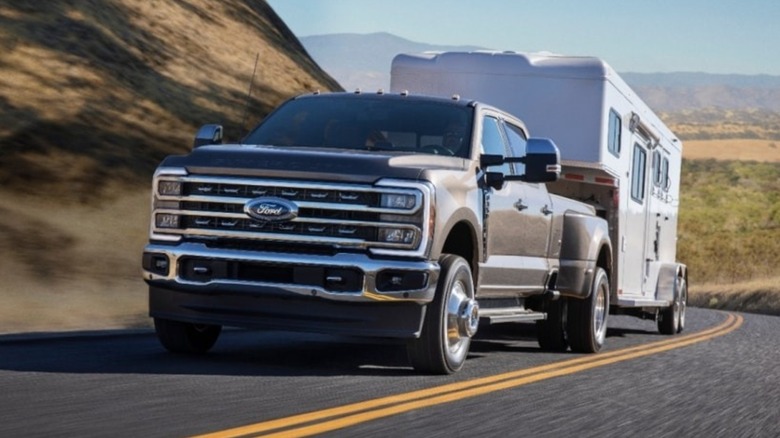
[
  {"x": 546, "y": 210},
  {"x": 519, "y": 205}
]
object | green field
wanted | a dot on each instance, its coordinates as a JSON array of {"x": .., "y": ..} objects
[{"x": 729, "y": 233}]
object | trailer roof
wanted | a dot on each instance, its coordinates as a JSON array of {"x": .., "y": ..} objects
[{"x": 533, "y": 64}]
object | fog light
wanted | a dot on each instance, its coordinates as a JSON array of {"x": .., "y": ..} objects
[
  {"x": 389, "y": 281},
  {"x": 157, "y": 263}
]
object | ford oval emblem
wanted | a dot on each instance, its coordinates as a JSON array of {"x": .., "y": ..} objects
[{"x": 271, "y": 209}]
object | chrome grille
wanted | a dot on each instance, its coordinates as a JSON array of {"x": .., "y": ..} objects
[{"x": 339, "y": 215}]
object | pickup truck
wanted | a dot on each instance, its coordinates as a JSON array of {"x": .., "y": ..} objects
[{"x": 381, "y": 215}]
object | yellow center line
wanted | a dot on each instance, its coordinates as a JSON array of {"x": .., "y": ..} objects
[{"x": 356, "y": 413}]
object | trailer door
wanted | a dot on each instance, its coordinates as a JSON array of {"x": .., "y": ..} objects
[{"x": 635, "y": 218}]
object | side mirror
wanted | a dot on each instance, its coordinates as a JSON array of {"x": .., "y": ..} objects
[
  {"x": 542, "y": 161},
  {"x": 208, "y": 134}
]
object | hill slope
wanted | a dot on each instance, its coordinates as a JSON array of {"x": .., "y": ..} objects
[
  {"x": 103, "y": 89},
  {"x": 93, "y": 93}
]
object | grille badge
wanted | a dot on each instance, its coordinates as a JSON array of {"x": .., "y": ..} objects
[{"x": 271, "y": 209}]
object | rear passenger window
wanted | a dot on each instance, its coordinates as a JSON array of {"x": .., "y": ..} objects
[
  {"x": 613, "y": 133},
  {"x": 638, "y": 174}
]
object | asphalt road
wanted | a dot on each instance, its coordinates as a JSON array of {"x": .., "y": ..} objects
[{"x": 724, "y": 381}]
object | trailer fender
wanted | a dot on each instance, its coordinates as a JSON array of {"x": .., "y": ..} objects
[
  {"x": 583, "y": 238},
  {"x": 666, "y": 288}
]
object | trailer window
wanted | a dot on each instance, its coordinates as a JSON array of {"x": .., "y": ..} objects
[
  {"x": 665, "y": 172},
  {"x": 613, "y": 141},
  {"x": 638, "y": 174},
  {"x": 657, "y": 169}
]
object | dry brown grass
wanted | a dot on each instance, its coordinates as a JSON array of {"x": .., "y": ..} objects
[
  {"x": 71, "y": 266},
  {"x": 93, "y": 94},
  {"x": 115, "y": 85},
  {"x": 755, "y": 296},
  {"x": 732, "y": 149}
]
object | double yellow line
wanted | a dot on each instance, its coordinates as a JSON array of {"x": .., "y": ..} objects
[{"x": 328, "y": 420}]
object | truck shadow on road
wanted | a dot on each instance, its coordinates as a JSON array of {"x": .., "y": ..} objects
[{"x": 246, "y": 353}]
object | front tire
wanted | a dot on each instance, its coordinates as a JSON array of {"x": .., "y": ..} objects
[
  {"x": 185, "y": 337},
  {"x": 587, "y": 318},
  {"x": 451, "y": 319}
]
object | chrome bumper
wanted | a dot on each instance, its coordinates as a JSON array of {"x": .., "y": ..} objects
[{"x": 171, "y": 277}]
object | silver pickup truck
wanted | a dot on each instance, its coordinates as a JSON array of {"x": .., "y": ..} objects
[{"x": 388, "y": 216}]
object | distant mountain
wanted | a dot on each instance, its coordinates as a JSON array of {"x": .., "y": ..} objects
[
  {"x": 674, "y": 92},
  {"x": 363, "y": 61}
]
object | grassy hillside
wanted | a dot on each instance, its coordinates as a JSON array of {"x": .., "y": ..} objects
[
  {"x": 93, "y": 94},
  {"x": 729, "y": 227},
  {"x": 729, "y": 233},
  {"x": 103, "y": 89}
]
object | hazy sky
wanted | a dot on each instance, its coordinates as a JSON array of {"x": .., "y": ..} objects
[{"x": 713, "y": 36}]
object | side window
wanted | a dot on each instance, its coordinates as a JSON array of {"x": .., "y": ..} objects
[
  {"x": 665, "y": 182},
  {"x": 517, "y": 144},
  {"x": 613, "y": 133},
  {"x": 493, "y": 143},
  {"x": 657, "y": 170},
  {"x": 638, "y": 174}
]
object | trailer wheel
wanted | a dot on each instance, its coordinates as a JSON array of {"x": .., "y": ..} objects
[
  {"x": 672, "y": 318},
  {"x": 551, "y": 332},
  {"x": 451, "y": 319},
  {"x": 587, "y": 318},
  {"x": 184, "y": 337},
  {"x": 683, "y": 304}
]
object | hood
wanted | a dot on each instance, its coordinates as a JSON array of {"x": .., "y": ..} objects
[{"x": 309, "y": 163}]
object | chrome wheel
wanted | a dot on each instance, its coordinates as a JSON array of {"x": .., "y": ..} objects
[
  {"x": 450, "y": 321},
  {"x": 683, "y": 305},
  {"x": 586, "y": 326},
  {"x": 600, "y": 311},
  {"x": 460, "y": 322}
]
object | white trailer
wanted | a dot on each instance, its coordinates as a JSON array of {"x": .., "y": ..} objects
[{"x": 616, "y": 153}]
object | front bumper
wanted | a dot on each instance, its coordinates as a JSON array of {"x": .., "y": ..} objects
[{"x": 348, "y": 293}]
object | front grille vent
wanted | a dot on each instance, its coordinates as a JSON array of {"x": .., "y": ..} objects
[{"x": 335, "y": 215}]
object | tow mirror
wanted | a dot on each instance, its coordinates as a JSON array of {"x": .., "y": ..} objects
[
  {"x": 208, "y": 134},
  {"x": 542, "y": 161}
]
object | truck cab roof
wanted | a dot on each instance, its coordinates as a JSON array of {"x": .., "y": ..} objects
[{"x": 388, "y": 122}]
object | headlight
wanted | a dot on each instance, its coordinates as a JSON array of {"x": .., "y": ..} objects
[
  {"x": 400, "y": 201},
  {"x": 165, "y": 220},
  {"x": 397, "y": 235},
  {"x": 169, "y": 188}
]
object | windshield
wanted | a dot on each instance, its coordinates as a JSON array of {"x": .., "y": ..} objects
[{"x": 370, "y": 123}]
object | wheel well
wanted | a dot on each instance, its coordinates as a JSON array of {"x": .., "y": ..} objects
[
  {"x": 461, "y": 241},
  {"x": 605, "y": 261}
]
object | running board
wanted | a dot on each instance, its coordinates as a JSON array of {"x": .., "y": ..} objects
[
  {"x": 638, "y": 302},
  {"x": 510, "y": 314}
]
